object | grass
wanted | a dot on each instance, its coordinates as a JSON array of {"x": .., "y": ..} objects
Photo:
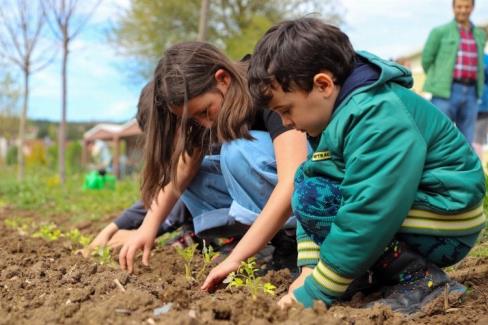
[{"x": 42, "y": 192}]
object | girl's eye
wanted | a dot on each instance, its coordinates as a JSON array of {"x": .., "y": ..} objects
[{"x": 204, "y": 113}]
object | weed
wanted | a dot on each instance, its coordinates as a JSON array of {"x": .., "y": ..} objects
[
  {"x": 48, "y": 232},
  {"x": 208, "y": 256},
  {"x": 18, "y": 223},
  {"x": 77, "y": 239},
  {"x": 165, "y": 238},
  {"x": 245, "y": 276},
  {"x": 103, "y": 255},
  {"x": 187, "y": 254}
]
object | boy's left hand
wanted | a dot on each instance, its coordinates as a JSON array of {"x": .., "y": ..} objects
[
  {"x": 219, "y": 273},
  {"x": 287, "y": 300}
]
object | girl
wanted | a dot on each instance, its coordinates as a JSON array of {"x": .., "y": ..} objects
[{"x": 232, "y": 164}]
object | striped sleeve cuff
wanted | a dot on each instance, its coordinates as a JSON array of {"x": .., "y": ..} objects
[
  {"x": 308, "y": 253},
  {"x": 323, "y": 284}
]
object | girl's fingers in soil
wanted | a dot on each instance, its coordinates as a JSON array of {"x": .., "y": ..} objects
[
  {"x": 212, "y": 279},
  {"x": 146, "y": 254},
  {"x": 122, "y": 256},
  {"x": 130, "y": 258}
]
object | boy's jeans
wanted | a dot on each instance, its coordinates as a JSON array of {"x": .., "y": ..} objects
[
  {"x": 233, "y": 187},
  {"x": 461, "y": 108}
]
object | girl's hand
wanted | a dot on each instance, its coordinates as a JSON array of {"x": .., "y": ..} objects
[
  {"x": 219, "y": 273},
  {"x": 286, "y": 300},
  {"x": 141, "y": 239},
  {"x": 101, "y": 239},
  {"x": 120, "y": 238}
]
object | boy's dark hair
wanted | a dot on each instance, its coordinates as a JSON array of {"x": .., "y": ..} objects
[
  {"x": 293, "y": 52},
  {"x": 145, "y": 104}
]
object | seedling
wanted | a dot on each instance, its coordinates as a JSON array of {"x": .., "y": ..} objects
[
  {"x": 19, "y": 224},
  {"x": 165, "y": 238},
  {"x": 48, "y": 232},
  {"x": 103, "y": 255},
  {"x": 208, "y": 256},
  {"x": 76, "y": 238},
  {"x": 187, "y": 254},
  {"x": 245, "y": 277}
]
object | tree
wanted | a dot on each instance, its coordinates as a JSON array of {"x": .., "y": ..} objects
[
  {"x": 21, "y": 27},
  {"x": 203, "y": 22},
  {"x": 144, "y": 30},
  {"x": 9, "y": 106},
  {"x": 65, "y": 23}
]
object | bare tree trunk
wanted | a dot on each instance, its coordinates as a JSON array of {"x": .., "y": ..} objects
[
  {"x": 22, "y": 123},
  {"x": 202, "y": 26},
  {"x": 62, "y": 123}
]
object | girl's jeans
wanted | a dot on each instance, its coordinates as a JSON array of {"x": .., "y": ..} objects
[{"x": 232, "y": 188}]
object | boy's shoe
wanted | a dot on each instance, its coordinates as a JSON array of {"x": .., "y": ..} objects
[
  {"x": 409, "y": 281},
  {"x": 422, "y": 288}
]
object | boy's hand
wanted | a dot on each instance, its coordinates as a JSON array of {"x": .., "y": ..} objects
[
  {"x": 139, "y": 240},
  {"x": 219, "y": 273},
  {"x": 306, "y": 271},
  {"x": 286, "y": 300}
]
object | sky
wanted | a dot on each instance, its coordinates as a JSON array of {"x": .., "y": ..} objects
[{"x": 99, "y": 90}]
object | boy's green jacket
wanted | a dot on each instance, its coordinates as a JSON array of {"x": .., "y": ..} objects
[{"x": 402, "y": 166}]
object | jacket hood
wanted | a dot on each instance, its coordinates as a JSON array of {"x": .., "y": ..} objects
[{"x": 369, "y": 72}]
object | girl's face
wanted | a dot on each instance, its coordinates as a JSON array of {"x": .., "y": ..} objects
[{"x": 204, "y": 109}]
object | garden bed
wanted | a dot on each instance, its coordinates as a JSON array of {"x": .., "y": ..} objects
[{"x": 44, "y": 282}]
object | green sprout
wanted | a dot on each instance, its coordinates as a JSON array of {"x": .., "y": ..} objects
[
  {"x": 208, "y": 256},
  {"x": 165, "y": 238},
  {"x": 49, "y": 232},
  {"x": 187, "y": 254},
  {"x": 76, "y": 238},
  {"x": 103, "y": 255},
  {"x": 20, "y": 224},
  {"x": 245, "y": 277}
]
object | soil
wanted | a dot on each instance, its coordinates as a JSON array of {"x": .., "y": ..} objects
[{"x": 44, "y": 282}]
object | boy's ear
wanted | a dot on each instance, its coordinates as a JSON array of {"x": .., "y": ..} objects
[
  {"x": 324, "y": 82},
  {"x": 223, "y": 80}
]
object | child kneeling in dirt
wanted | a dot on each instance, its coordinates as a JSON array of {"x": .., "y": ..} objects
[
  {"x": 392, "y": 187},
  {"x": 116, "y": 233}
]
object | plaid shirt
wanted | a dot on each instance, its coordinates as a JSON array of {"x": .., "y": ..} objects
[{"x": 467, "y": 56}]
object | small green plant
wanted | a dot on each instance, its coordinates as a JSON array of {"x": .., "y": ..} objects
[
  {"x": 245, "y": 276},
  {"x": 187, "y": 254},
  {"x": 165, "y": 238},
  {"x": 18, "y": 223},
  {"x": 208, "y": 256},
  {"x": 76, "y": 238},
  {"x": 48, "y": 232},
  {"x": 103, "y": 255}
]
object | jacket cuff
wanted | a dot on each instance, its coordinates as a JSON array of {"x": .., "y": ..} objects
[
  {"x": 308, "y": 253},
  {"x": 309, "y": 292}
]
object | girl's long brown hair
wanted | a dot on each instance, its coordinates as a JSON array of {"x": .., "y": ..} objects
[{"x": 188, "y": 70}]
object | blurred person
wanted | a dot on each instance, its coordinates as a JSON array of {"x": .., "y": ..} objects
[
  {"x": 453, "y": 62},
  {"x": 482, "y": 122}
]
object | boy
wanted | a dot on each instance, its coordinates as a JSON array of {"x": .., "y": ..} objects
[{"x": 392, "y": 187}]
